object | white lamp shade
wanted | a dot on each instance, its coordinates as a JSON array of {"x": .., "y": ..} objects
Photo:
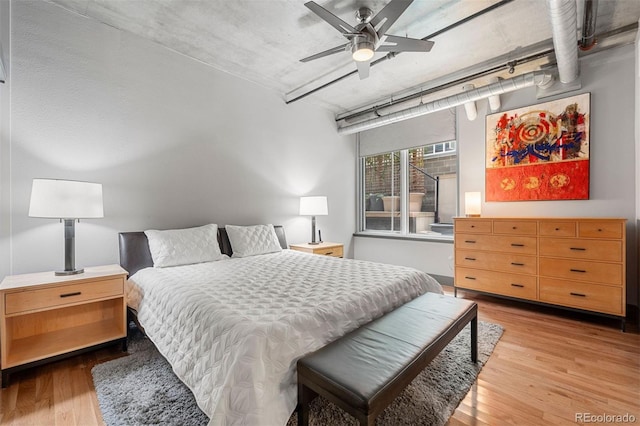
[
  {"x": 472, "y": 201},
  {"x": 65, "y": 199},
  {"x": 313, "y": 206}
]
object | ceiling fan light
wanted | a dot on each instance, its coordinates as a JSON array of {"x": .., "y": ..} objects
[{"x": 362, "y": 51}]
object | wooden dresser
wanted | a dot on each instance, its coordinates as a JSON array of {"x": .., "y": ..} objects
[{"x": 576, "y": 263}]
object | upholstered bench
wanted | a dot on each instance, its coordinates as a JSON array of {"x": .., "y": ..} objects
[{"x": 363, "y": 371}]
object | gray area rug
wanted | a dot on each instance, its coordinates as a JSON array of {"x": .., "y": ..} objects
[{"x": 141, "y": 389}]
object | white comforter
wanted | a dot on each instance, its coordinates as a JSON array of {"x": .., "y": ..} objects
[{"x": 233, "y": 329}]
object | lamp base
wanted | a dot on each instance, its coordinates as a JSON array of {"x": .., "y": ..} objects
[
  {"x": 473, "y": 215},
  {"x": 313, "y": 243},
  {"x": 72, "y": 272}
]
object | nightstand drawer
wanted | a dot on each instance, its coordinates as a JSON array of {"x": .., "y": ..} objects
[
  {"x": 51, "y": 297},
  {"x": 330, "y": 251},
  {"x": 323, "y": 248}
]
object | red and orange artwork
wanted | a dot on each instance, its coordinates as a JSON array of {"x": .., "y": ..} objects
[{"x": 539, "y": 152}]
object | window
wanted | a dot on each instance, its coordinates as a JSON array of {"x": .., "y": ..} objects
[{"x": 410, "y": 192}]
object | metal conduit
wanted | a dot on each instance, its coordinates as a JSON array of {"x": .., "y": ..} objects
[
  {"x": 588, "y": 39},
  {"x": 537, "y": 78},
  {"x": 564, "y": 27}
]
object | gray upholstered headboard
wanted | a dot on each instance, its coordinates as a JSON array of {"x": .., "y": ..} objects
[{"x": 135, "y": 254}]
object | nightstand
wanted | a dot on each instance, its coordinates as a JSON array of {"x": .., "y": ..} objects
[
  {"x": 327, "y": 249},
  {"x": 44, "y": 317}
]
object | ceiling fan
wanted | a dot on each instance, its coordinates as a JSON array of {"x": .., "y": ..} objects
[{"x": 369, "y": 35}]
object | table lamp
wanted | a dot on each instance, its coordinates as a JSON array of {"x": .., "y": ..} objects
[
  {"x": 66, "y": 200},
  {"x": 313, "y": 206},
  {"x": 472, "y": 204}
]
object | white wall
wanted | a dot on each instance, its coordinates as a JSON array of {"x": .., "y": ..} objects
[
  {"x": 432, "y": 257},
  {"x": 609, "y": 76},
  {"x": 174, "y": 142},
  {"x": 5, "y": 214}
]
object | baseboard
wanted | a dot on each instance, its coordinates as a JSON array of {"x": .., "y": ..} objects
[{"x": 443, "y": 279}]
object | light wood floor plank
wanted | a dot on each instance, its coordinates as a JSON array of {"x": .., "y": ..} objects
[{"x": 548, "y": 366}]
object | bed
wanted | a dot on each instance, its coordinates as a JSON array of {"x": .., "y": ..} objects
[{"x": 233, "y": 329}]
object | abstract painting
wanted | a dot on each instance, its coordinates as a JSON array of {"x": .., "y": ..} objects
[{"x": 539, "y": 152}]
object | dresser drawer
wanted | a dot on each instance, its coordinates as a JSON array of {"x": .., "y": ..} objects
[
  {"x": 502, "y": 243},
  {"x": 592, "y": 297},
  {"x": 582, "y": 270},
  {"x": 504, "y": 262},
  {"x": 605, "y": 250},
  {"x": 594, "y": 229},
  {"x": 514, "y": 227},
  {"x": 514, "y": 285},
  {"x": 558, "y": 229},
  {"x": 51, "y": 297},
  {"x": 482, "y": 226}
]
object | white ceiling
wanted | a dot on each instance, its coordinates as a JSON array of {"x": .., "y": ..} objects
[{"x": 263, "y": 40}]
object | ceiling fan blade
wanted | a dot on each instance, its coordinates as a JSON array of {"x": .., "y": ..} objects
[
  {"x": 330, "y": 18},
  {"x": 389, "y": 15},
  {"x": 404, "y": 44},
  {"x": 363, "y": 69},
  {"x": 327, "y": 52}
]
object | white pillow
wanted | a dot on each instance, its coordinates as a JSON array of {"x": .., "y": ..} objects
[
  {"x": 175, "y": 247},
  {"x": 252, "y": 240}
]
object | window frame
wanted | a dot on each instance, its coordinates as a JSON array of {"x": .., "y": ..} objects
[{"x": 403, "y": 232}]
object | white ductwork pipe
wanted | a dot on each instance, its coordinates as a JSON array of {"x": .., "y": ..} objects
[
  {"x": 535, "y": 78},
  {"x": 470, "y": 107},
  {"x": 564, "y": 28},
  {"x": 494, "y": 101}
]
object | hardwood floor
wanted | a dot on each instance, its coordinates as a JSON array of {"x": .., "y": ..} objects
[{"x": 549, "y": 366}]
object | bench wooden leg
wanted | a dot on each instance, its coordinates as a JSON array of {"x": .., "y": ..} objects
[
  {"x": 474, "y": 339},
  {"x": 305, "y": 396}
]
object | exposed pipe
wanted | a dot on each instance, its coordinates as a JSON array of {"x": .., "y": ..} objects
[
  {"x": 588, "y": 39},
  {"x": 564, "y": 28},
  {"x": 603, "y": 39},
  {"x": 537, "y": 78},
  {"x": 463, "y": 80},
  {"x": 392, "y": 55}
]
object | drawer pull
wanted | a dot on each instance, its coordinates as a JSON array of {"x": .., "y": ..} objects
[
  {"x": 599, "y": 230},
  {"x": 578, "y": 294},
  {"x": 469, "y": 258},
  {"x": 577, "y": 270},
  {"x": 473, "y": 226},
  {"x": 329, "y": 253},
  {"x": 470, "y": 278},
  {"x": 577, "y": 248},
  {"x": 515, "y": 227},
  {"x": 75, "y": 293},
  {"x": 517, "y": 264},
  {"x": 517, "y": 245},
  {"x": 469, "y": 241},
  {"x": 517, "y": 285},
  {"x": 557, "y": 229}
]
